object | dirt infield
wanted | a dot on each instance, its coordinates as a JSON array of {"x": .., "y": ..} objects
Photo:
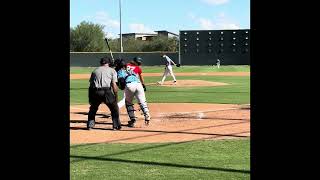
[
  {"x": 87, "y": 76},
  {"x": 171, "y": 122}
]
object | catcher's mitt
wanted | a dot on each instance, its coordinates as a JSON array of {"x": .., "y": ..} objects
[{"x": 178, "y": 65}]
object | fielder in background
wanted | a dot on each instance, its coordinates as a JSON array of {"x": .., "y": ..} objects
[
  {"x": 130, "y": 82},
  {"x": 218, "y": 63},
  {"x": 103, "y": 89},
  {"x": 135, "y": 66},
  {"x": 168, "y": 69}
]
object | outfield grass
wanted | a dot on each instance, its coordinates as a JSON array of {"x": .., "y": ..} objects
[
  {"x": 159, "y": 69},
  {"x": 238, "y": 92},
  {"x": 224, "y": 159}
]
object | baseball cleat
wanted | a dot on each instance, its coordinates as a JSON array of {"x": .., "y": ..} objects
[
  {"x": 146, "y": 122},
  {"x": 131, "y": 123},
  {"x": 159, "y": 83},
  {"x": 147, "y": 119}
]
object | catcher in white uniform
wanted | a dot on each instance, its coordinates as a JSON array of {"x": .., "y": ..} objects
[{"x": 168, "y": 70}]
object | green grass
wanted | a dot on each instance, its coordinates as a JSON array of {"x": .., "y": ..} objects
[
  {"x": 159, "y": 69},
  {"x": 238, "y": 92},
  {"x": 225, "y": 159}
]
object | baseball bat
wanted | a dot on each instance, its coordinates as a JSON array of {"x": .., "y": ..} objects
[{"x": 109, "y": 48}]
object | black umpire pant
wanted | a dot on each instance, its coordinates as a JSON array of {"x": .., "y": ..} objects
[{"x": 103, "y": 95}]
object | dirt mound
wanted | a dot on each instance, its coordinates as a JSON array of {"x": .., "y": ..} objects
[{"x": 189, "y": 83}]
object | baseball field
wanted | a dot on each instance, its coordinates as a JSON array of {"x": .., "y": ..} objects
[{"x": 200, "y": 128}]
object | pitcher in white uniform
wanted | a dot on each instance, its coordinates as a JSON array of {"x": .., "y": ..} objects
[{"x": 168, "y": 70}]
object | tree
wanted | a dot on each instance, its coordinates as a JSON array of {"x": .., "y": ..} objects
[
  {"x": 87, "y": 37},
  {"x": 160, "y": 43},
  {"x": 71, "y": 37}
]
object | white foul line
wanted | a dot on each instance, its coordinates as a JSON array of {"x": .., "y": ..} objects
[{"x": 195, "y": 112}]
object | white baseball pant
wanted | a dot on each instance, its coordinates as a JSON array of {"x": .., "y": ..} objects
[
  {"x": 132, "y": 90},
  {"x": 168, "y": 70}
]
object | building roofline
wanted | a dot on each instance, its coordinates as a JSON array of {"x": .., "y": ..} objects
[
  {"x": 138, "y": 34},
  {"x": 168, "y": 32}
]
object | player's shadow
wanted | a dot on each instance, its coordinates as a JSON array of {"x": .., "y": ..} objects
[
  {"x": 95, "y": 128},
  {"x": 98, "y": 114},
  {"x": 84, "y": 128},
  {"x": 85, "y": 121}
]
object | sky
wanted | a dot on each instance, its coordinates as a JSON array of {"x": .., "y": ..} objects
[{"x": 147, "y": 16}]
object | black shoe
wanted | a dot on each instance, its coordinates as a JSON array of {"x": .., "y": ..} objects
[
  {"x": 131, "y": 123},
  {"x": 117, "y": 128},
  {"x": 146, "y": 122},
  {"x": 90, "y": 124}
]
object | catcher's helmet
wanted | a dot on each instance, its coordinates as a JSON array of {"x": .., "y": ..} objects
[{"x": 138, "y": 60}]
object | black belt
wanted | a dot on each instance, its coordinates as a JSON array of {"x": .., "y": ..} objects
[{"x": 131, "y": 82}]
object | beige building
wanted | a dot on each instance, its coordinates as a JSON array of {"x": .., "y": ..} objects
[{"x": 148, "y": 36}]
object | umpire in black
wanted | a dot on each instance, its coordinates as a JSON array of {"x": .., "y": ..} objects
[{"x": 103, "y": 89}]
